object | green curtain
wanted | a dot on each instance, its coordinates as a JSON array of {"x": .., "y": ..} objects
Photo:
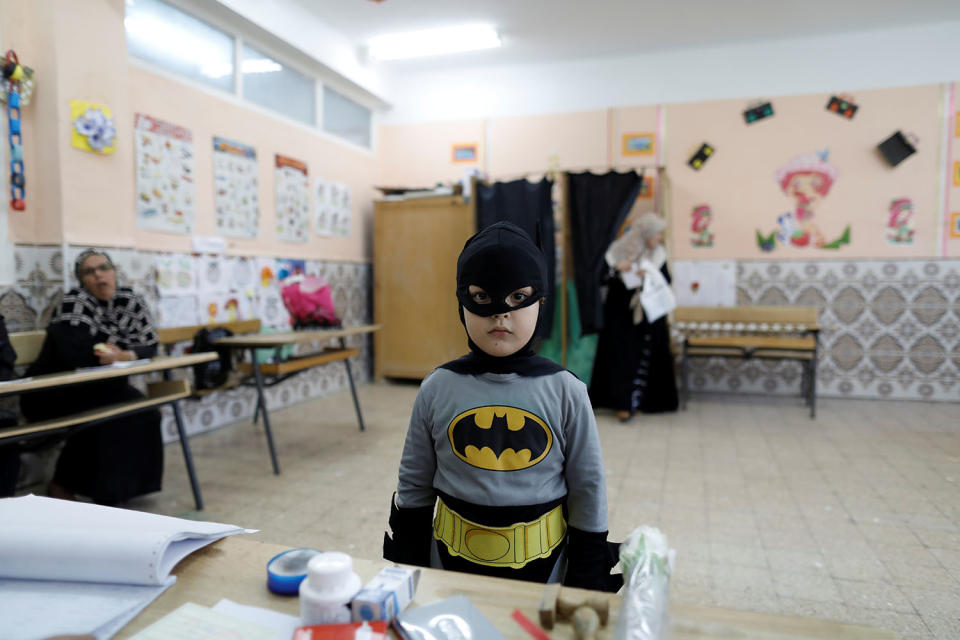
[{"x": 581, "y": 350}]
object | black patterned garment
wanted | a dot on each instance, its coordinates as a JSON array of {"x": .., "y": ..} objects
[{"x": 124, "y": 320}]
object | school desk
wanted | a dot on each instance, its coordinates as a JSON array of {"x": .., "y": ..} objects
[
  {"x": 281, "y": 370},
  {"x": 158, "y": 393},
  {"x": 235, "y": 568}
]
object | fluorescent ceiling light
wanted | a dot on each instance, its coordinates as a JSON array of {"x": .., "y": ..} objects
[{"x": 433, "y": 42}]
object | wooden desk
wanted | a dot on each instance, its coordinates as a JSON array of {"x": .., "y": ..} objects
[
  {"x": 235, "y": 568},
  {"x": 282, "y": 370},
  {"x": 158, "y": 393}
]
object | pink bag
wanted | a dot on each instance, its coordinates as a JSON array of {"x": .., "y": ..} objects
[{"x": 309, "y": 301}]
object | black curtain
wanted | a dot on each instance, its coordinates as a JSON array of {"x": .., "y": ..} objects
[
  {"x": 529, "y": 205},
  {"x": 598, "y": 206}
]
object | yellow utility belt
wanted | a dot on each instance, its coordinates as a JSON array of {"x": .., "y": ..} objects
[{"x": 512, "y": 546}]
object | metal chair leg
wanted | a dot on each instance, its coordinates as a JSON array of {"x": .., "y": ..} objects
[
  {"x": 353, "y": 387},
  {"x": 187, "y": 457}
]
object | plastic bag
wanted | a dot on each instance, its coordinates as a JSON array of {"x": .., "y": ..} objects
[
  {"x": 647, "y": 563},
  {"x": 309, "y": 301}
]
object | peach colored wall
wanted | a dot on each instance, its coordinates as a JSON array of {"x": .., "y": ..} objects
[
  {"x": 421, "y": 155},
  {"x": 536, "y": 144},
  {"x": 951, "y": 243},
  {"x": 30, "y": 30},
  {"x": 738, "y": 183}
]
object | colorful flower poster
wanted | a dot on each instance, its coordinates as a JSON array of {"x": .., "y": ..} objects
[
  {"x": 292, "y": 200},
  {"x": 332, "y": 212},
  {"x": 235, "y": 188},
  {"x": 165, "y": 175}
]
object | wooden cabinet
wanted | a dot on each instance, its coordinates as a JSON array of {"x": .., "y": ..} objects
[{"x": 415, "y": 247}]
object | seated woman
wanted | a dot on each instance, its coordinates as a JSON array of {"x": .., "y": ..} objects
[
  {"x": 633, "y": 370},
  {"x": 98, "y": 324}
]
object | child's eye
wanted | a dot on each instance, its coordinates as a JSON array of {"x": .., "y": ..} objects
[
  {"x": 480, "y": 297},
  {"x": 519, "y": 296}
]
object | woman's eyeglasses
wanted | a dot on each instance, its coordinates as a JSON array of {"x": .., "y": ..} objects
[{"x": 89, "y": 271}]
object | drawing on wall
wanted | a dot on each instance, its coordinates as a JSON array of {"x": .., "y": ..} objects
[
  {"x": 900, "y": 222},
  {"x": 466, "y": 152},
  {"x": 637, "y": 144},
  {"x": 292, "y": 200},
  {"x": 332, "y": 209},
  {"x": 705, "y": 283},
  {"x": 177, "y": 311},
  {"x": 700, "y": 233},
  {"x": 647, "y": 187},
  {"x": 955, "y": 224},
  {"x": 165, "y": 170},
  {"x": 807, "y": 179},
  {"x": 956, "y": 174},
  {"x": 94, "y": 128},
  {"x": 235, "y": 188},
  {"x": 287, "y": 268},
  {"x": 175, "y": 274}
]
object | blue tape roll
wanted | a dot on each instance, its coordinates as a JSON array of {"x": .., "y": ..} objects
[{"x": 285, "y": 571}]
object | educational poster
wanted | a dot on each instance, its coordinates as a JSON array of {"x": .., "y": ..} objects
[
  {"x": 700, "y": 220},
  {"x": 165, "y": 175},
  {"x": 235, "y": 189},
  {"x": 177, "y": 311},
  {"x": 900, "y": 223},
  {"x": 332, "y": 204},
  {"x": 175, "y": 274},
  {"x": 210, "y": 273},
  {"x": 292, "y": 200},
  {"x": 268, "y": 304},
  {"x": 705, "y": 283},
  {"x": 807, "y": 183},
  {"x": 806, "y": 179}
]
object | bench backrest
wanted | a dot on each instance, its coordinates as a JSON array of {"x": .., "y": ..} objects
[
  {"x": 802, "y": 318},
  {"x": 172, "y": 335},
  {"x": 27, "y": 344}
]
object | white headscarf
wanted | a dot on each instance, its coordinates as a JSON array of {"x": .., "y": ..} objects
[{"x": 632, "y": 245}]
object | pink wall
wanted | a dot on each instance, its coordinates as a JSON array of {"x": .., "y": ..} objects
[
  {"x": 951, "y": 174},
  {"x": 420, "y": 155}
]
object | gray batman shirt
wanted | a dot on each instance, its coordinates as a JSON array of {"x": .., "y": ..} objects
[{"x": 505, "y": 440}]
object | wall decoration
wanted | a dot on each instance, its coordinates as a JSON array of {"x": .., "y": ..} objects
[
  {"x": 898, "y": 147},
  {"x": 638, "y": 144},
  {"x": 210, "y": 273},
  {"x": 900, "y": 226},
  {"x": 235, "y": 188},
  {"x": 175, "y": 274},
  {"x": 647, "y": 188},
  {"x": 292, "y": 200},
  {"x": 287, "y": 268},
  {"x": 757, "y": 112},
  {"x": 702, "y": 155},
  {"x": 956, "y": 174},
  {"x": 843, "y": 106},
  {"x": 165, "y": 172},
  {"x": 700, "y": 233},
  {"x": 705, "y": 283},
  {"x": 955, "y": 224},
  {"x": 807, "y": 179},
  {"x": 332, "y": 208},
  {"x": 17, "y": 88},
  {"x": 466, "y": 152},
  {"x": 177, "y": 311},
  {"x": 94, "y": 128}
]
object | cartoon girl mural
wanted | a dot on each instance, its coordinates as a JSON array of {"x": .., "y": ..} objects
[
  {"x": 806, "y": 178},
  {"x": 700, "y": 234},
  {"x": 900, "y": 223}
]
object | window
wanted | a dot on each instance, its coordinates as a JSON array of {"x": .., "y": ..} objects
[
  {"x": 345, "y": 118},
  {"x": 269, "y": 84},
  {"x": 174, "y": 40}
]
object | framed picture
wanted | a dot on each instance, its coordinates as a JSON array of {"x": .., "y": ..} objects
[
  {"x": 638, "y": 144},
  {"x": 647, "y": 188},
  {"x": 466, "y": 152},
  {"x": 956, "y": 174},
  {"x": 956, "y": 128},
  {"x": 955, "y": 224}
]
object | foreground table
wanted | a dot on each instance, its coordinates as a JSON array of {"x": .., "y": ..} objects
[
  {"x": 235, "y": 568},
  {"x": 281, "y": 370}
]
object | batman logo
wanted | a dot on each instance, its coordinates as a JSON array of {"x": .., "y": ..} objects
[{"x": 500, "y": 438}]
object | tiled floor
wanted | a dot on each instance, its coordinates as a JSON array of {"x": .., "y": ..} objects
[{"x": 854, "y": 516}]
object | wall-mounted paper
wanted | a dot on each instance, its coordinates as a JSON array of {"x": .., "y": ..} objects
[
  {"x": 235, "y": 188},
  {"x": 292, "y": 200},
  {"x": 166, "y": 192},
  {"x": 175, "y": 274},
  {"x": 705, "y": 283},
  {"x": 332, "y": 208}
]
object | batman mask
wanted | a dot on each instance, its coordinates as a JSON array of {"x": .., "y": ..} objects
[{"x": 500, "y": 259}]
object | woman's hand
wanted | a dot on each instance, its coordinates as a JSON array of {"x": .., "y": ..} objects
[
  {"x": 110, "y": 353},
  {"x": 624, "y": 265}
]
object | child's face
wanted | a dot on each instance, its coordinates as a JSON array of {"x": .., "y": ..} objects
[{"x": 502, "y": 334}]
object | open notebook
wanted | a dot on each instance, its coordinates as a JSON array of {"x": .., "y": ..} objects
[{"x": 72, "y": 567}]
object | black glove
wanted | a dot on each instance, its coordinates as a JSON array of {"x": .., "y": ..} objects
[
  {"x": 412, "y": 535},
  {"x": 589, "y": 561}
]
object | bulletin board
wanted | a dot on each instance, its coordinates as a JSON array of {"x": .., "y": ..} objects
[{"x": 793, "y": 179}]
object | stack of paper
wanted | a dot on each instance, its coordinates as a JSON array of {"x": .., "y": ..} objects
[{"x": 72, "y": 567}]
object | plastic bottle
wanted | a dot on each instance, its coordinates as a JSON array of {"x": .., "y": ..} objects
[{"x": 330, "y": 586}]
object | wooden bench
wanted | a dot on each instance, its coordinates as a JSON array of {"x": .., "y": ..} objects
[
  {"x": 169, "y": 337},
  {"x": 28, "y": 344},
  {"x": 766, "y": 332}
]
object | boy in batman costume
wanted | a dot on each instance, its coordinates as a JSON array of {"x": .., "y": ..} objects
[{"x": 502, "y": 472}]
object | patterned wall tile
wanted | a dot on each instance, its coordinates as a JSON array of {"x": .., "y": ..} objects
[{"x": 890, "y": 329}]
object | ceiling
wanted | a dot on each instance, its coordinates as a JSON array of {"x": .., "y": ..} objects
[{"x": 536, "y": 31}]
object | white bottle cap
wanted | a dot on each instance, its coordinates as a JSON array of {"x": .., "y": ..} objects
[{"x": 331, "y": 578}]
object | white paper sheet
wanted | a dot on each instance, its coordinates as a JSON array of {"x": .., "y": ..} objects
[
  {"x": 195, "y": 622},
  {"x": 281, "y": 623},
  {"x": 705, "y": 283},
  {"x": 656, "y": 297}
]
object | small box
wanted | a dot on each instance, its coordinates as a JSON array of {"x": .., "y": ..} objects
[
  {"x": 898, "y": 147},
  {"x": 386, "y": 595}
]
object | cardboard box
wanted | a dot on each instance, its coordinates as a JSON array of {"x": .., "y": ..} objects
[{"x": 386, "y": 595}]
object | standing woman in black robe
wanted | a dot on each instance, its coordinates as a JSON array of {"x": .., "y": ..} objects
[
  {"x": 633, "y": 370},
  {"x": 99, "y": 323}
]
